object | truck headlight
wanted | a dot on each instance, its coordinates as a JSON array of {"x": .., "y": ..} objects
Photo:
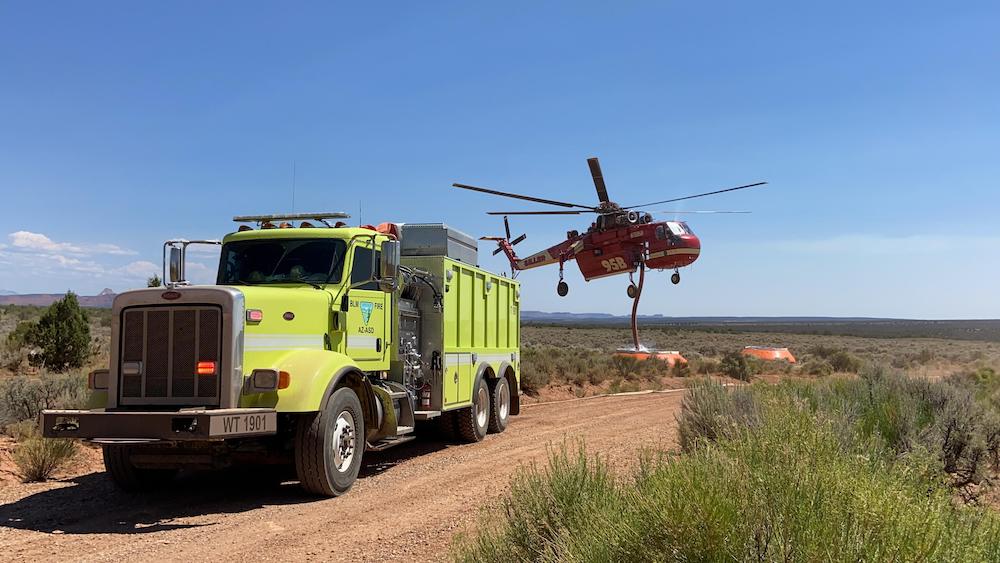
[
  {"x": 97, "y": 380},
  {"x": 265, "y": 380}
]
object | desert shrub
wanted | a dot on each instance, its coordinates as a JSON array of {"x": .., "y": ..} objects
[
  {"x": 625, "y": 366},
  {"x": 790, "y": 490},
  {"x": 680, "y": 369},
  {"x": 737, "y": 366},
  {"x": 21, "y": 431},
  {"x": 704, "y": 366},
  {"x": 37, "y": 458},
  {"x": 22, "y": 398},
  {"x": 63, "y": 334},
  {"x": 815, "y": 366},
  {"x": 711, "y": 412},
  {"x": 844, "y": 361}
]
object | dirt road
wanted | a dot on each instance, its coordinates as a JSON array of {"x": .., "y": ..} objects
[{"x": 408, "y": 503}]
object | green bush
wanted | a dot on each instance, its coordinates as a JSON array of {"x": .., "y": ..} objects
[
  {"x": 711, "y": 412},
  {"x": 37, "y": 458},
  {"x": 63, "y": 334},
  {"x": 844, "y": 361},
  {"x": 790, "y": 490},
  {"x": 815, "y": 366},
  {"x": 22, "y": 398},
  {"x": 737, "y": 366}
]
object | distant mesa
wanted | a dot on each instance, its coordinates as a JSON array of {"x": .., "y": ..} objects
[
  {"x": 7, "y": 292},
  {"x": 103, "y": 299}
]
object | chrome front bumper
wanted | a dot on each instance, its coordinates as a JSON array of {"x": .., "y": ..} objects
[{"x": 132, "y": 426}]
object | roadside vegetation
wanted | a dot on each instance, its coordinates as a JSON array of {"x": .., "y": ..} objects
[
  {"x": 580, "y": 360},
  {"x": 45, "y": 349},
  {"x": 877, "y": 467}
]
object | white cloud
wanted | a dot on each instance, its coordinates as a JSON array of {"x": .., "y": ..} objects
[
  {"x": 139, "y": 269},
  {"x": 27, "y": 241},
  {"x": 112, "y": 249}
]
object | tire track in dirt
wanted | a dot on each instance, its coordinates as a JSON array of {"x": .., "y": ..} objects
[{"x": 409, "y": 502}]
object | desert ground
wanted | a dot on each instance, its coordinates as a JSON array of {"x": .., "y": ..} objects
[{"x": 408, "y": 503}]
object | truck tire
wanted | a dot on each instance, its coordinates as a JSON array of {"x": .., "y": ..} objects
[
  {"x": 329, "y": 445},
  {"x": 473, "y": 422},
  {"x": 127, "y": 476},
  {"x": 500, "y": 406}
]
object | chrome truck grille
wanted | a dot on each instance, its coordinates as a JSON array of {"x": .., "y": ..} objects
[
  {"x": 177, "y": 348},
  {"x": 162, "y": 349}
]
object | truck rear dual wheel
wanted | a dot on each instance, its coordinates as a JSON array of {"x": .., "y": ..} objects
[
  {"x": 499, "y": 405},
  {"x": 128, "y": 477},
  {"x": 329, "y": 445},
  {"x": 473, "y": 422}
]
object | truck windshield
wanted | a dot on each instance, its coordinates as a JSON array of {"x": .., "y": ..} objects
[{"x": 252, "y": 262}]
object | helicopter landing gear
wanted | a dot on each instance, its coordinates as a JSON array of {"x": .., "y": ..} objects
[{"x": 675, "y": 278}]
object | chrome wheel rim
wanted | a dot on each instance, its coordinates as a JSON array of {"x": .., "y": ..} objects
[
  {"x": 503, "y": 400},
  {"x": 344, "y": 442},
  {"x": 482, "y": 406}
]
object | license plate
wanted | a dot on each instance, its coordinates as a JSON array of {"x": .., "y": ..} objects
[{"x": 243, "y": 424}]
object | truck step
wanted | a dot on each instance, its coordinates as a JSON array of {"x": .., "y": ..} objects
[
  {"x": 426, "y": 415},
  {"x": 401, "y": 430},
  {"x": 387, "y": 443}
]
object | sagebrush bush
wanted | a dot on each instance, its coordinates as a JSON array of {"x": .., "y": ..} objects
[
  {"x": 22, "y": 397},
  {"x": 711, "y": 412},
  {"x": 791, "y": 489},
  {"x": 738, "y": 366},
  {"x": 37, "y": 458}
]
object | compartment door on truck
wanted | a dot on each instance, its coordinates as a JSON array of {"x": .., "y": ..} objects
[
  {"x": 367, "y": 336},
  {"x": 457, "y": 379}
]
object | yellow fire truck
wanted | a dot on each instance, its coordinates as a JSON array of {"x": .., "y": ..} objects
[{"x": 318, "y": 342}]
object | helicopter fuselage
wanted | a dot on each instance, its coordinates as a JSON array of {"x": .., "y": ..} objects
[{"x": 605, "y": 252}]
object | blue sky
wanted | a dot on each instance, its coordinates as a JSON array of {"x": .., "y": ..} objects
[{"x": 876, "y": 124}]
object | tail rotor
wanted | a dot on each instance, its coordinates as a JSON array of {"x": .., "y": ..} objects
[{"x": 507, "y": 239}]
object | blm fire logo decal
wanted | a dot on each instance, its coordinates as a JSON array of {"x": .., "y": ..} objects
[{"x": 366, "y": 310}]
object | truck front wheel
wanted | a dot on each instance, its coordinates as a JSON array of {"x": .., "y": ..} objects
[
  {"x": 473, "y": 422},
  {"x": 128, "y": 477},
  {"x": 329, "y": 445}
]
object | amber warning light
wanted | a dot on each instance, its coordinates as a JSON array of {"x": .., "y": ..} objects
[{"x": 205, "y": 368}]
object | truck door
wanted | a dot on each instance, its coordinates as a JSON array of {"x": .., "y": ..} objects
[{"x": 367, "y": 318}]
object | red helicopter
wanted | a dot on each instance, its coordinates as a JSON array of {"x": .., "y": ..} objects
[{"x": 621, "y": 240}]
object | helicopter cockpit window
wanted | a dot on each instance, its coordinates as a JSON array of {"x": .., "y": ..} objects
[{"x": 677, "y": 229}]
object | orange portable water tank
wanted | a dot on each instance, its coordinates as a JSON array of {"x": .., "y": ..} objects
[
  {"x": 672, "y": 358},
  {"x": 769, "y": 353}
]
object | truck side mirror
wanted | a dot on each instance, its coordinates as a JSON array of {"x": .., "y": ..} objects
[
  {"x": 176, "y": 265},
  {"x": 389, "y": 265}
]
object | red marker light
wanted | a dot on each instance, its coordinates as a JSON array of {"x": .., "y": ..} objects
[
  {"x": 205, "y": 368},
  {"x": 255, "y": 315}
]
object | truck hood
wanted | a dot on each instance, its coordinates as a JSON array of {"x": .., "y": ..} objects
[{"x": 291, "y": 314}]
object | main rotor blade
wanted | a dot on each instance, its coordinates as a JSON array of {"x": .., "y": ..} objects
[
  {"x": 539, "y": 212},
  {"x": 696, "y": 195},
  {"x": 676, "y": 211},
  {"x": 595, "y": 173},
  {"x": 524, "y": 197},
  {"x": 506, "y": 226}
]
